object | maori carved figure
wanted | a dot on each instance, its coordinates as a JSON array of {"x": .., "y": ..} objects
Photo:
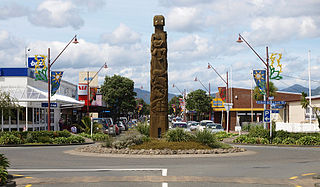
[{"x": 159, "y": 79}]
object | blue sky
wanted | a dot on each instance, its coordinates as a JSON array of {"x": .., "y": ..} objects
[{"x": 199, "y": 32}]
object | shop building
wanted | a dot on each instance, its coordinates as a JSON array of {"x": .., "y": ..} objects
[
  {"x": 32, "y": 96},
  {"x": 246, "y": 110}
]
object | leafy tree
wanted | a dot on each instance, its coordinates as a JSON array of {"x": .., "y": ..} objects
[
  {"x": 85, "y": 126},
  {"x": 305, "y": 104},
  {"x": 7, "y": 103},
  {"x": 117, "y": 92},
  {"x": 259, "y": 97},
  {"x": 175, "y": 101},
  {"x": 198, "y": 101},
  {"x": 145, "y": 107}
]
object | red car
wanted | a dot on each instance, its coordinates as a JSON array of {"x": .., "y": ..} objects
[{"x": 113, "y": 128}]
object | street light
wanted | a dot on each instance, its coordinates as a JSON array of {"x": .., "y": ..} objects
[
  {"x": 89, "y": 81},
  {"x": 73, "y": 40},
  {"x": 184, "y": 100},
  {"x": 196, "y": 79},
  {"x": 240, "y": 40},
  {"x": 227, "y": 104}
]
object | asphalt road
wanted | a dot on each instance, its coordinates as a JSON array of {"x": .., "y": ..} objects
[{"x": 260, "y": 166}]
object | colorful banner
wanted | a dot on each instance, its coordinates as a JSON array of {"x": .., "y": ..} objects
[
  {"x": 93, "y": 93},
  {"x": 222, "y": 93},
  {"x": 32, "y": 62},
  {"x": 55, "y": 81},
  {"x": 173, "y": 107},
  {"x": 260, "y": 79},
  {"x": 275, "y": 71},
  {"x": 40, "y": 67}
]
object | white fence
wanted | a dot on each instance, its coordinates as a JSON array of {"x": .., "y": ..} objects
[{"x": 297, "y": 127}]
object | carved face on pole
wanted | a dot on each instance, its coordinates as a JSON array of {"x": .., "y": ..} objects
[{"x": 158, "y": 20}]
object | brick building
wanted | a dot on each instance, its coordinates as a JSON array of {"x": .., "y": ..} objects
[{"x": 245, "y": 109}]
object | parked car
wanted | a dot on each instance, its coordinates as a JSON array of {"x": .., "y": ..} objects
[
  {"x": 182, "y": 125},
  {"x": 121, "y": 126},
  {"x": 125, "y": 122},
  {"x": 214, "y": 127},
  {"x": 203, "y": 124},
  {"x": 194, "y": 126},
  {"x": 113, "y": 128},
  {"x": 103, "y": 122}
]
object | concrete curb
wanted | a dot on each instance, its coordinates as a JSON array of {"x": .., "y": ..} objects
[{"x": 273, "y": 145}]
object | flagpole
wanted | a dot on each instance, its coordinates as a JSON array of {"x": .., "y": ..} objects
[
  {"x": 251, "y": 102},
  {"x": 309, "y": 72}
]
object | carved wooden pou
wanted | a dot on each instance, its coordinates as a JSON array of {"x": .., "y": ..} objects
[{"x": 159, "y": 80}]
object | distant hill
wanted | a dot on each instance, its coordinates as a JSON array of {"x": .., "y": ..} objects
[
  {"x": 298, "y": 89},
  {"x": 145, "y": 95}
]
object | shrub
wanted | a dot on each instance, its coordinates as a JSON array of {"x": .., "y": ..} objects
[
  {"x": 206, "y": 138},
  {"x": 308, "y": 140},
  {"x": 4, "y": 164},
  {"x": 132, "y": 138},
  {"x": 289, "y": 140},
  {"x": 240, "y": 139},
  {"x": 99, "y": 137},
  {"x": 178, "y": 135},
  {"x": 75, "y": 139},
  {"x": 163, "y": 144},
  {"x": 277, "y": 140},
  {"x": 262, "y": 141},
  {"x": 44, "y": 139},
  {"x": 63, "y": 133},
  {"x": 258, "y": 131},
  {"x": 282, "y": 134},
  {"x": 9, "y": 139},
  {"x": 143, "y": 128}
]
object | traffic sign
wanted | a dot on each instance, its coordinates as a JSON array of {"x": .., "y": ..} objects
[
  {"x": 266, "y": 116},
  {"x": 275, "y": 111},
  {"x": 228, "y": 106},
  {"x": 279, "y": 102},
  {"x": 273, "y": 102},
  {"x": 278, "y": 106},
  {"x": 263, "y": 102},
  {"x": 271, "y": 98}
]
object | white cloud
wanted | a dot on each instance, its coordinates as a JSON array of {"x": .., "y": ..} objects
[
  {"x": 92, "y": 5},
  {"x": 121, "y": 35},
  {"x": 185, "y": 19},
  {"x": 12, "y": 10},
  {"x": 56, "y": 13}
]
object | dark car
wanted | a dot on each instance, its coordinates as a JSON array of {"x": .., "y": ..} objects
[{"x": 103, "y": 122}]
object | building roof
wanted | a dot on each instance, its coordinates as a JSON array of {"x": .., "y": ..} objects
[{"x": 31, "y": 94}]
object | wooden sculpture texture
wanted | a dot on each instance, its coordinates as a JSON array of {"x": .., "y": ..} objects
[{"x": 159, "y": 80}]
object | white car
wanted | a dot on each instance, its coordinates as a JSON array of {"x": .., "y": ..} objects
[
  {"x": 182, "y": 125},
  {"x": 203, "y": 124},
  {"x": 194, "y": 126},
  {"x": 214, "y": 127}
]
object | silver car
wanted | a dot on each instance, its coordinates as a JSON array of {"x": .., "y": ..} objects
[{"x": 214, "y": 127}]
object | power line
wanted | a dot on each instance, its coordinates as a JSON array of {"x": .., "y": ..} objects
[{"x": 300, "y": 78}]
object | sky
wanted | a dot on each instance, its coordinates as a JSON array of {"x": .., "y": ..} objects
[{"x": 118, "y": 32}]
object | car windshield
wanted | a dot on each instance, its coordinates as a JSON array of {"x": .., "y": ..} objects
[{"x": 194, "y": 124}]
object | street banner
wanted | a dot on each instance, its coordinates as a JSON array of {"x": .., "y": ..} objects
[
  {"x": 33, "y": 62},
  {"x": 260, "y": 79},
  {"x": 55, "y": 81},
  {"x": 222, "y": 93},
  {"x": 40, "y": 68}
]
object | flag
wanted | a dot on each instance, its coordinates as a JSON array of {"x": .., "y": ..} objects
[
  {"x": 55, "y": 81},
  {"x": 93, "y": 93},
  {"x": 222, "y": 93},
  {"x": 260, "y": 79},
  {"x": 40, "y": 67}
]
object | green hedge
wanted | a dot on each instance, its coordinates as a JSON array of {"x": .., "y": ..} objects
[
  {"x": 33, "y": 137},
  {"x": 100, "y": 137},
  {"x": 258, "y": 135}
]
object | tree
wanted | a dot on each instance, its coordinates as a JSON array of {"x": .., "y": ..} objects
[
  {"x": 198, "y": 101},
  {"x": 117, "y": 92},
  {"x": 7, "y": 103},
  {"x": 174, "y": 101},
  {"x": 259, "y": 97},
  {"x": 305, "y": 104}
]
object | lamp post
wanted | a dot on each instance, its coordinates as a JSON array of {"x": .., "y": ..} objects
[
  {"x": 184, "y": 100},
  {"x": 73, "y": 40},
  {"x": 89, "y": 81},
  {"x": 196, "y": 79},
  {"x": 240, "y": 40},
  {"x": 227, "y": 104}
]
